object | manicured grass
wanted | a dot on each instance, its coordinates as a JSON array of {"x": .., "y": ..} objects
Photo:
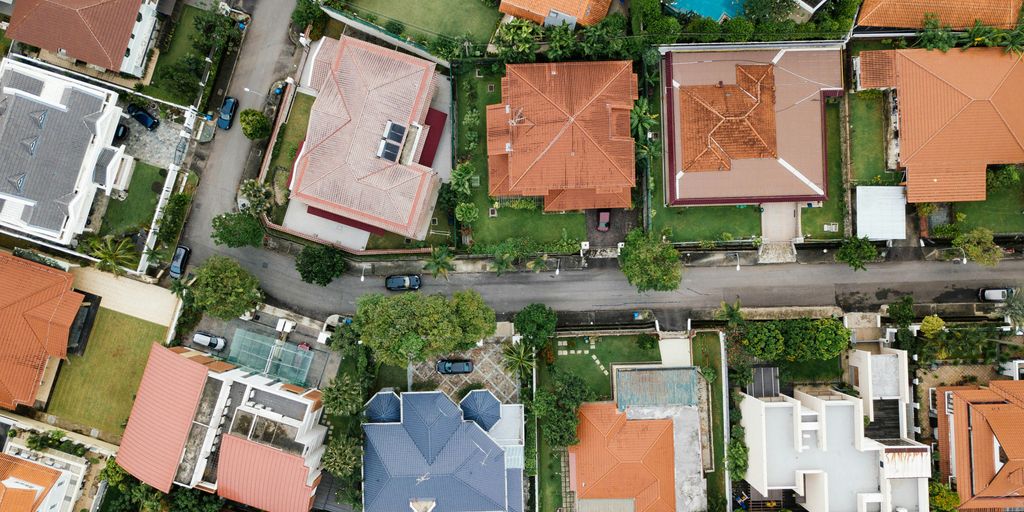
[
  {"x": 1002, "y": 212},
  {"x": 814, "y": 219},
  {"x": 293, "y": 132},
  {"x": 426, "y": 19},
  {"x": 435, "y": 237},
  {"x": 180, "y": 46},
  {"x": 828, "y": 370},
  {"x": 509, "y": 223},
  {"x": 391, "y": 377},
  {"x": 696, "y": 223},
  {"x": 98, "y": 389},
  {"x": 136, "y": 211},
  {"x": 707, "y": 352},
  {"x": 5, "y": 44},
  {"x": 549, "y": 474},
  {"x": 867, "y": 137}
]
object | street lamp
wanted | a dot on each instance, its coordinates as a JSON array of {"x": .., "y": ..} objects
[
  {"x": 964, "y": 254},
  {"x": 737, "y": 255},
  {"x": 362, "y": 275},
  {"x": 558, "y": 265}
]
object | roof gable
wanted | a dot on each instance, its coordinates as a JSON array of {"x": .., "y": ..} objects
[
  {"x": 96, "y": 31},
  {"x": 16, "y": 499},
  {"x": 956, "y": 13}
]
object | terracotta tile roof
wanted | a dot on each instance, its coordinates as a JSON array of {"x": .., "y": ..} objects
[
  {"x": 877, "y": 69},
  {"x": 723, "y": 122},
  {"x": 988, "y": 475},
  {"x": 586, "y": 12},
  {"x": 958, "y": 14},
  {"x": 944, "y": 428},
  {"x": 161, "y": 417},
  {"x": 959, "y": 112},
  {"x": 37, "y": 309},
  {"x": 361, "y": 87},
  {"x": 564, "y": 127},
  {"x": 263, "y": 477},
  {"x": 620, "y": 459},
  {"x": 15, "y": 471},
  {"x": 96, "y": 31}
]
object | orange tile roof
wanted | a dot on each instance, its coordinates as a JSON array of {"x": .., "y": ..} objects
[
  {"x": 362, "y": 86},
  {"x": 161, "y": 417},
  {"x": 17, "y": 498},
  {"x": 37, "y": 308},
  {"x": 877, "y": 70},
  {"x": 987, "y": 476},
  {"x": 618, "y": 458},
  {"x": 726, "y": 122},
  {"x": 564, "y": 127},
  {"x": 959, "y": 112},
  {"x": 96, "y": 31},
  {"x": 959, "y": 14},
  {"x": 586, "y": 12},
  {"x": 263, "y": 476}
]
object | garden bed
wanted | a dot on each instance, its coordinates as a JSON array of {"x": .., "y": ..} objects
[
  {"x": 707, "y": 352},
  {"x": 813, "y": 220},
  {"x": 136, "y": 211}
]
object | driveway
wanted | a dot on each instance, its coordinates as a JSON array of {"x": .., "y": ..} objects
[
  {"x": 622, "y": 221},
  {"x": 488, "y": 371},
  {"x": 140, "y": 300}
]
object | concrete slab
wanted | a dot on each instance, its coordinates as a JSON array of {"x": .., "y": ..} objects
[
  {"x": 298, "y": 219},
  {"x": 124, "y": 295},
  {"x": 442, "y": 101},
  {"x": 780, "y": 222},
  {"x": 675, "y": 352},
  {"x": 691, "y": 488}
]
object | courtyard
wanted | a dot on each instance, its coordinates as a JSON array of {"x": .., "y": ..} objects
[{"x": 136, "y": 211}]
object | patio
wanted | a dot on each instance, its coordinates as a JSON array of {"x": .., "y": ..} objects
[{"x": 488, "y": 371}]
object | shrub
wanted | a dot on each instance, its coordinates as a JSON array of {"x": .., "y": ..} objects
[
  {"x": 395, "y": 27},
  {"x": 173, "y": 219},
  {"x": 255, "y": 124},
  {"x": 932, "y": 325}
]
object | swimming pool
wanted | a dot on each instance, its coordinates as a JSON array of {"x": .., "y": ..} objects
[{"x": 714, "y": 9}]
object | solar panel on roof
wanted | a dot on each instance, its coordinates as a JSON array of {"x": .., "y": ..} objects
[
  {"x": 390, "y": 152},
  {"x": 396, "y": 132}
]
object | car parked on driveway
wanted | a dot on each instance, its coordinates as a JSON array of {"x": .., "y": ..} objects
[
  {"x": 994, "y": 294},
  {"x": 120, "y": 133},
  {"x": 227, "y": 113},
  {"x": 403, "y": 282},
  {"x": 143, "y": 117},
  {"x": 604, "y": 220},
  {"x": 209, "y": 341},
  {"x": 179, "y": 261},
  {"x": 454, "y": 366}
]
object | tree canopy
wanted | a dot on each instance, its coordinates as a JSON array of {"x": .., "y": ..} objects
[
  {"x": 979, "y": 246},
  {"x": 255, "y": 124},
  {"x": 857, "y": 252},
  {"x": 536, "y": 324},
  {"x": 650, "y": 263},
  {"x": 225, "y": 290},
  {"x": 319, "y": 264},
  {"x": 237, "y": 229},
  {"x": 558, "y": 407},
  {"x": 796, "y": 340}
]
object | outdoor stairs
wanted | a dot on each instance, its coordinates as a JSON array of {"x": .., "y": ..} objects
[{"x": 776, "y": 252}]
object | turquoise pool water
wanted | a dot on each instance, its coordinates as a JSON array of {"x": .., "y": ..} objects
[{"x": 714, "y": 9}]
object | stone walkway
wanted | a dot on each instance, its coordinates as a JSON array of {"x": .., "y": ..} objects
[
  {"x": 563, "y": 350},
  {"x": 488, "y": 370}
]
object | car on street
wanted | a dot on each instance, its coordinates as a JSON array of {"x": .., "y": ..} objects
[
  {"x": 179, "y": 261},
  {"x": 403, "y": 282},
  {"x": 994, "y": 294},
  {"x": 604, "y": 220},
  {"x": 210, "y": 341},
  {"x": 120, "y": 133},
  {"x": 454, "y": 366},
  {"x": 227, "y": 113},
  {"x": 143, "y": 117}
]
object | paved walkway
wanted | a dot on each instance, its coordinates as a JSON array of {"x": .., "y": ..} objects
[
  {"x": 487, "y": 370},
  {"x": 780, "y": 222},
  {"x": 124, "y": 295}
]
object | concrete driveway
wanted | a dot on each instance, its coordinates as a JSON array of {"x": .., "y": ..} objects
[{"x": 145, "y": 301}]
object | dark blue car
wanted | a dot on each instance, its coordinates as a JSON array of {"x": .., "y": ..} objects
[
  {"x": 403, "y": 282},
  {"x": 143, "y": 117},
  {"x": 227, "y": 113}
]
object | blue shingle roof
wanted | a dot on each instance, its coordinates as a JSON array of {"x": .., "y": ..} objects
[
  {"x": 384, "y": 407},
  {"x": 482, "y": 407},
  {"x": 435, "y": 454}
]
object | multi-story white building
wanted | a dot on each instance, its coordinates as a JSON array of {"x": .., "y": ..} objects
[{"x": 48, "y": 480}]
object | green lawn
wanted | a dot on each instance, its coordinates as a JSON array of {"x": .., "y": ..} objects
[
  {"x": 1002, "y": 212},
  {"x": 98, "y": 389},
  {"x": 707, "y": 352},
  {"x": 293, "y": 132},
  {"x": 180, "y": 46},
  {"x": 5, "y": 44},
  {"x": 509, "y": 223},
  {"x": 867, "y": 137},
  {"x": 391, "y": 377},
  {"x": 426, "y": 19},
  {"x": 814, "y": 219},
  {"x": 828, "y": 370},
  {"x": 136, "y": 211},
  {"x": 440, "y": 234}
]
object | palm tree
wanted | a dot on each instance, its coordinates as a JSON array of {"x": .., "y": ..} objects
[
  {"x": 647, "y": 149},
  {"x": 112, "y": 256},
  {"x": 1013, "y": 40},
  {"x": 503, "y": 262},
  {"x": 641, "y": 119},
  {"x": 440, "y": 262},
  {"x": 179, "y": 288},
  {"x": 517, "y": 359},
  {"x": 730, "y": 313},
  {"x": 980, "y": 35},
  {"x": 343, "y": 456},
  {"x": 539, "y": 263},
  {"x": 1013, "y": 308}
]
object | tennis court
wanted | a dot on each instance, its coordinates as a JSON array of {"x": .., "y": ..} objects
[{"x": 270, "y": 356}]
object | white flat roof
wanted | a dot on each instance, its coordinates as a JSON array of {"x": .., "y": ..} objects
[{"x": 881, "y": 213}]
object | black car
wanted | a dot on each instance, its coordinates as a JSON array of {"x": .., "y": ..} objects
[
  {"x": 143, "y": 117},
  {"x": 403, "y": 282},
  {"x": 179, "y": 262},
  {"x": 120, "y": 133},
  {"x": 227, "y": 113},
  {"x": 454, "y": 366}
]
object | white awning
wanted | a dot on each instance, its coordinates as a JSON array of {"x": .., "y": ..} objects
[{"x": 881, "y": 213}]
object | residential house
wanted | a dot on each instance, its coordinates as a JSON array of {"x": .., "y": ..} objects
[
  {"x": 955, "y": 113},
  {"x": 202, "y": 423},
  {"x": 557, "y": 12},
  {"x": 55, "y": 151},
  {"x": 980, "y": 448},
  {"x": 108, "y": 35},
  {"x": 372, "y": 136},
  {"x": 562, "y": 132},
  {"x": 54, "y": 478},
  {"x": 426, "y": 453},
  {"x": 956, "y": 14},
  {"x": 747, "y": 126},
  {"x": 37, "y": 310},
  {"x": 835, "y": 452},
  {"x": 641, "y": 452}
]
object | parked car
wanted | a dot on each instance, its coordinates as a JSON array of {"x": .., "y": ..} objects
[
  {"x": 209, "y": 341},
  {"x": 454, "y": 366},
  {"x": 403, "y": 282},
  {"x": 179, "y": 261},
  {"x": 227, "y": 113},
  {"x": 604, "y": 220},
  {"x": 143, "y": 117},
  {"x": 120, "y": 133},
  {"x": 994, "y": 294}
]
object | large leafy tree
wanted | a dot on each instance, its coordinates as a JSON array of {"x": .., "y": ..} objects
[
  {"x": 558, "y": 408},
  {"x": 319, "y": 264},
  {"x": 763, "y": 11},
  {"x": 562, "y": 43},
  {"x": 857, "y": 252},
  {"x": 237, "y": 229},
  {"x": 440, "y": 262},
  {"x": 475, "y": 317},
  {"x": 935, "y": 36},
  {"x": 344, "y": 456},
  {"x": 536, "y": 324},
  {"x": 795, "y": 340},
  {"x": 193, "y": 500},
  {"x": 225, "y": 290},
  {"x": 308, "y": 12},
  {"x": 979, "y": 246},
  {"x": 516, "y": 41},
  {"x": 650, "y": 263}
]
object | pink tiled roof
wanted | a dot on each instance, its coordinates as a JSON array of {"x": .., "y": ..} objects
[
  {"x": 161, "y": 417},
  {"x": 361, "y": 87},
  {"x": 263, "y": 476}
]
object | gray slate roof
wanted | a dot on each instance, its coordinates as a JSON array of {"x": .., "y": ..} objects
[
  {"x": 436, "y": 454},
  {"x": 42, "y": 147},
  {"x": 384, "y": 407}
]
